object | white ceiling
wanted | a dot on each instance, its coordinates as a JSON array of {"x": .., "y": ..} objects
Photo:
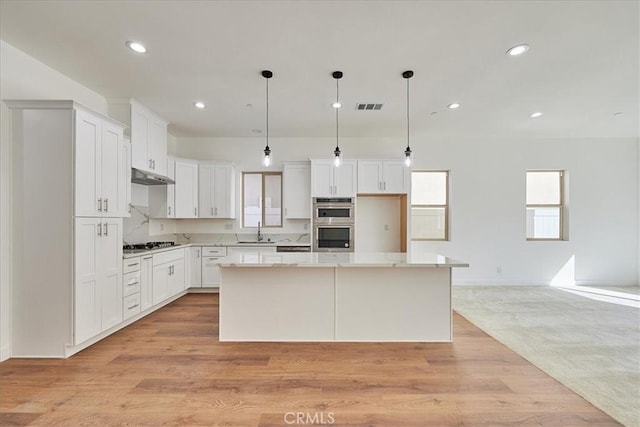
[{"x": 581, "y": 69}]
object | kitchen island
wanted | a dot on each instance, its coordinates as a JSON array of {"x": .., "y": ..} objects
[{"x": 336, "y": 297}]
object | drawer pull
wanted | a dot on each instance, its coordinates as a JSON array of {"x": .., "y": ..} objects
[
  {"x": 132, "y": 307},
  {"x": 131, "y": 265},
  {"x": 133, "y": 283}
]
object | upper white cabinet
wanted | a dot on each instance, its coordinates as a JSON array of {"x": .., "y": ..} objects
[
  {"x": 217, "y": 190},
  {"x": 382, "y": 176},
  {"x": 100, "y": 167},
  {"x": 297, "y": 190},
  {"x": 328, "y": 180},
  {"x": 148, "y": 135},
  {"x": 186, "y": 189}
]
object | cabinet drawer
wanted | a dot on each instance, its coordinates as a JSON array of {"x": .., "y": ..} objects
[
  {"x": 130, "y": 264},
  {"x": 164, "y": 257},
  {"x": 214, "y": 251},
  {"x": 130, "y": 283},
  {"x": 131, "y": 305}
]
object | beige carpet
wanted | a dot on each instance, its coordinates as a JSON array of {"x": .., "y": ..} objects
[{"x": 592, "y": 347}]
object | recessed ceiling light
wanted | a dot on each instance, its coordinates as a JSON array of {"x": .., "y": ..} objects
[
  {"x": 453, "y": 106},
  {"x": 199, "y": 104},
  {"x": 136, "y": 47},
  {"x": 518, "y": 50},
  {"x": 536, "y": 114},
  {"x": 336, "y": 105}
]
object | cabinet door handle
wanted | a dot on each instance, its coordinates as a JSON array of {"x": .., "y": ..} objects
[
  {"x": 198, "y": 253},
  {"x": 195, "y": 211},
  {"x": 216, "y": 211},
  {"x": 106, "y": 205},
  {"x": 106, "y": 228},
  {"x": 131, "y": 265},
  {"x": 133, "y": 306},
  {"x": 385, "y": 186},
  {"x": 100, "y": 229},
  {"x": 150, "y": 165},
  {"x": 100, "y": 205},
  {"x": 169, "y": 208}
]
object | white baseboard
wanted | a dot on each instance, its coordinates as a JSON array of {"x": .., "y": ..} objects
[{"x": 5, "y": 353}]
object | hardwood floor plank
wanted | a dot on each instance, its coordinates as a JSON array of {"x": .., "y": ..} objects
[{"x": 170, "y": 369}]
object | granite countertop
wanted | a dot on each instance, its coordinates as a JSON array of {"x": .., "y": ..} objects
[
  {"x": 333, "y": 259},
  {"x": 143, "y": 252}
]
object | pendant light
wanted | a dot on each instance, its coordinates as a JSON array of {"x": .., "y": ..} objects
[
  {"x": 266, "y": 161},
  {"x": 407, "y": 152},
  {"x": 337, "y": 160}
]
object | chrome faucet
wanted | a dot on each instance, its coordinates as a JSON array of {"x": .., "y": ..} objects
[{"x": 259, "y": 235}]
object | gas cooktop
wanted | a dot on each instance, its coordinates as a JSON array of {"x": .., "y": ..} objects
[{"x": 139, "y": 247}]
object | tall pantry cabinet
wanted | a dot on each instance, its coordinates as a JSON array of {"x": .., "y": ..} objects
[{"x": 69, "y": 197}]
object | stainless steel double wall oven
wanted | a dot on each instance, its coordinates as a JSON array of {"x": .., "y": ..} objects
[{"x": 333, "y": 224}]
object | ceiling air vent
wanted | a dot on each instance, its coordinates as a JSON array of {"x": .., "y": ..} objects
[{"x": 367, "y": 107}]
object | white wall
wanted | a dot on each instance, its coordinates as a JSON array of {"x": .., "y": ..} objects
[
  {"x": 23, "y": 77},
  {"x": 487, "y": 185}
]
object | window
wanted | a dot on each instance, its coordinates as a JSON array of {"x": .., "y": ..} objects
[
  {"x": 262, "y": 199},
  {"x": 545, "y": 199},
  {"x": 430, "y": 205}
]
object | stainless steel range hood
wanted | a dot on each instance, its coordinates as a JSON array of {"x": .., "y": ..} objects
[{"x": 149, "y": 178}]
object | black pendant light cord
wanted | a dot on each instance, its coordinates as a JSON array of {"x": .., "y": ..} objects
[
  {"x": 408, "y": 115},
  {"x": 267, "y": 114},
  {"x": 337, "y": 109}
]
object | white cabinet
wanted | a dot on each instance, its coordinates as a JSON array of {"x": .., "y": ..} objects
[
  {"x": 100, "y": 167},
  {"x": 382, "y": 176},
  {"x": 210, "y": 267},
  {"x": 68, "y": 281},
  {"x": 162, "y": 197},
  {"x": 146, "y": 282},
  {"x": 148, "y": 135},
  {"x": 97, "y": 276},
  {"x": 217, "y": 190},
  {"x": 126, "y": 152},
  {"x": 148, "y": 140},
  {"x": 186, "y": 189},
  {"x": 168, "y": 275},
  {"x": 194, "y": 272},
  {"x": 297, "y": 190},
  {"x": 328, "y": 180}
]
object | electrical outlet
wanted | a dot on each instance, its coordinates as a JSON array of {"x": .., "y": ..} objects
[
  {"x": 306, "y": 225},
  {"x": 228, "y": 226},
  {"x": 161, "y": 227}
]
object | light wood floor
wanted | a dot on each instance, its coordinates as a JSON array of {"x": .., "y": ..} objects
[{"x": 169, "y": 368}]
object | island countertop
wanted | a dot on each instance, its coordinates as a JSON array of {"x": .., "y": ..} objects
[{"x": 339, "y": 259}]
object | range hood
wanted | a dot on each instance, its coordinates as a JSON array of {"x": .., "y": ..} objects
[{"x": 149, "y": 178}]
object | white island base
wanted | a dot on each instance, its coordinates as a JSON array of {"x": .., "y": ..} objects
[{"x": 336, "y": 297}]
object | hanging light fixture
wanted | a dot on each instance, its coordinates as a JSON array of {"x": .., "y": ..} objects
[
  {"x": 337, "y": 75},
  {"x": 407, "y": 152},
  {"x": 266, "y": 161}
]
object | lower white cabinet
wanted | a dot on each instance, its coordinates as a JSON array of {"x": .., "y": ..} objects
[
  {"x": 194, "y": 262},
  {"x": 210, "y": 267},
  {"x": 252, "y": 249},
  {"x": 98, "y": 276},
  {"x": 146, "y": 284},
  {"x": 168, "y": 274}
]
